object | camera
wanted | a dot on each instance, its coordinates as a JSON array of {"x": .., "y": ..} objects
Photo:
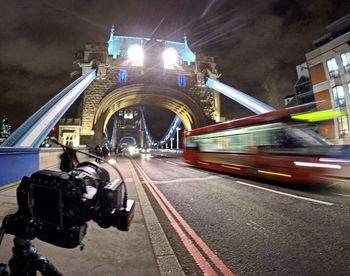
[{"x": 55, "y": 206}]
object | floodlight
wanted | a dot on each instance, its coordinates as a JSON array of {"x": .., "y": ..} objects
[
  {"x": 135, "y": 53},
  {"x": 170, "y": 56}
]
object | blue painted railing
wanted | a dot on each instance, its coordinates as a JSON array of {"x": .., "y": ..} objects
[
  {"x": 17, "y": 162},
  {"x": 249, "y": 102},
  {"x": 34, "y": 130}
]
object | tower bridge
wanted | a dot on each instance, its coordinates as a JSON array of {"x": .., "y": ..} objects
[
  {"x": 143, "y": 71},
  {"x": 124, "y": 72},
  {"x": 129, "y": 71}
]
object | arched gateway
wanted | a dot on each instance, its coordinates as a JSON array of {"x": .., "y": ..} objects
[{"x": 142, "y": 71}]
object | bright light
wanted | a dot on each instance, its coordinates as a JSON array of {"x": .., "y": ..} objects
[
  {"x": 112, "y": 161},
  {"x": 317, "y": 165},
  {"x": 132, "y": 149},
  {"x": 169, "y": 56},
  {"x": 135, "y": 53},
  {"x": 334, "y": 160}
]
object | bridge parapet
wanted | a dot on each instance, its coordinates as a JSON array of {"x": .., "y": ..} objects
[{"x": 23, "y": 161}]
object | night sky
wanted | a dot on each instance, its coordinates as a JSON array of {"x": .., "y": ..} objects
[{"x": 257, "y": 44}]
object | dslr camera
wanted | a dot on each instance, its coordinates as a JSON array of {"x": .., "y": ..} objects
[{"x": 55, "y": 206}]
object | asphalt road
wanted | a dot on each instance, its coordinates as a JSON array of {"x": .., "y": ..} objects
[{"x": 254, "y": 227}]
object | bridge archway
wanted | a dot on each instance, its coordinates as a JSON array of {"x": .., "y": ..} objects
[{"x": 177, "y": 101}]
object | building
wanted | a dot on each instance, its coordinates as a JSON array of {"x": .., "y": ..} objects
[
  {"x": 303, "y": 87},
  {"x": 329, "y": 66}
]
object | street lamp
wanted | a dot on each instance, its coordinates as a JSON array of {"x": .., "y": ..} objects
[
  {"x": 171, "y": 143},
  {"x": 177, "y": 137}
]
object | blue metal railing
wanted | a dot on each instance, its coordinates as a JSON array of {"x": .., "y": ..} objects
[
  {"x": 34, "y": 130},
  {"x": 249, "y": 102}
]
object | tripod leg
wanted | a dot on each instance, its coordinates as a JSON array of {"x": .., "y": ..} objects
[
  {"x": 26, "y": 260},
  {"x": 45, "y": 267},
  {"x": 20, "y": 262},
  {"x": 3, "y": 271}
]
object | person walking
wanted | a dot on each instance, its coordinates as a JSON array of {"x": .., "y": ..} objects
[
  {"x": 98, "y": 152},
  {"x": 69, "y": 159},
  {"x": 105, "y": 151}
]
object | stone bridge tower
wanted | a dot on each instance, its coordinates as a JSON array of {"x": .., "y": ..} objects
[{"x": 136, "y": 70}]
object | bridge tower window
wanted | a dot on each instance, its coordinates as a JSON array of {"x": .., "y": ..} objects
[
  {"x": 122, "y": 76},
  {"x": 182, "y": 80}
]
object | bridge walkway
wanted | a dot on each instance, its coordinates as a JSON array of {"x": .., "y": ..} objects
[{"x": 143, "y": 250}]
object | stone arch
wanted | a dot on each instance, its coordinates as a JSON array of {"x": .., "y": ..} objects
[{"x": 190, "y": 112}]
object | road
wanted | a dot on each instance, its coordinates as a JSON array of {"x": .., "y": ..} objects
[{"x": 253, "y": 227}]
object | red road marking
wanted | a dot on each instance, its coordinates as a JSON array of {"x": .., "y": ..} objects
[{"x": 164, "y": 203}]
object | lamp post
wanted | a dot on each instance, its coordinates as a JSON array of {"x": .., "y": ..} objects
[
  {"x": 177, "y": 137},
  {"x": 171, "y": 143}
]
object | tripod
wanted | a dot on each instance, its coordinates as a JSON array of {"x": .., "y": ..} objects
[{"x": 26, "y": 260}]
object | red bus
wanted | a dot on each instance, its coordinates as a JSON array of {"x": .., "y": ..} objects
[{"x": 272, "y": 146}]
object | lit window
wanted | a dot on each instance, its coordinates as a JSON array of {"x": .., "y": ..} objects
[
  {"x": 333, "y": 68},
  {"x": 343, "y": 126},
  {"x": 128, "y": 114},
  {"x": 346, "y": 61},
  {"x": 338, "y": 96},
  {"x": 122, "y": 76}
]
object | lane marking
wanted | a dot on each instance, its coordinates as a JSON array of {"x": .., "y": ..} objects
[
  {"x": 286, "y": 194},
  {"x": 342, "y": 195},
  {"x": 159, "y": 159},
  {"x": 185, "y": 179},
  {"x": 258, "y": 228},
  {"x": 171, "y": 211},
  {"x": 172, "y": 163},
  {"x": 191, "y": 248}
]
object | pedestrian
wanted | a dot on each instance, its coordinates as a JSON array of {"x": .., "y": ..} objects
[
  {"x": 98, "y": 152},
  {"x": 116, "y": 150},
  {"x": 69, "y": 159},
  {"x": 105, "y": 151}
]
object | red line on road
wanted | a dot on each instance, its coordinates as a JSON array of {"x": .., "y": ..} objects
[{"x": 170, "y": 211}]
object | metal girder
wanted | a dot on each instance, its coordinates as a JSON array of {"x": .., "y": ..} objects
[
  {"x": 34, "y": 130},
  {"x": 249, "y": 102}
]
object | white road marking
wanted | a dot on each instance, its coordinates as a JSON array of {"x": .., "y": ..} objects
[
  {"x": 258, "y": 228},
  {"x": 184, "y": 179},
  {"x": 342, "y": 195},
  {"x": 286, "y": 194},
  {"x": 172, "y": 163},
  {"x": 159, "y": 159}
]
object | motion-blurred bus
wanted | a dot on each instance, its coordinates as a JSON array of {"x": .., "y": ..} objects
[{"x": 272, "y": 145}]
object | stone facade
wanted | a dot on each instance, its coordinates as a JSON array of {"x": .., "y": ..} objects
[{"x": 180, "y": 88}]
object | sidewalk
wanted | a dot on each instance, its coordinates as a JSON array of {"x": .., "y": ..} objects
[{"x": 143, "y": 250}]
